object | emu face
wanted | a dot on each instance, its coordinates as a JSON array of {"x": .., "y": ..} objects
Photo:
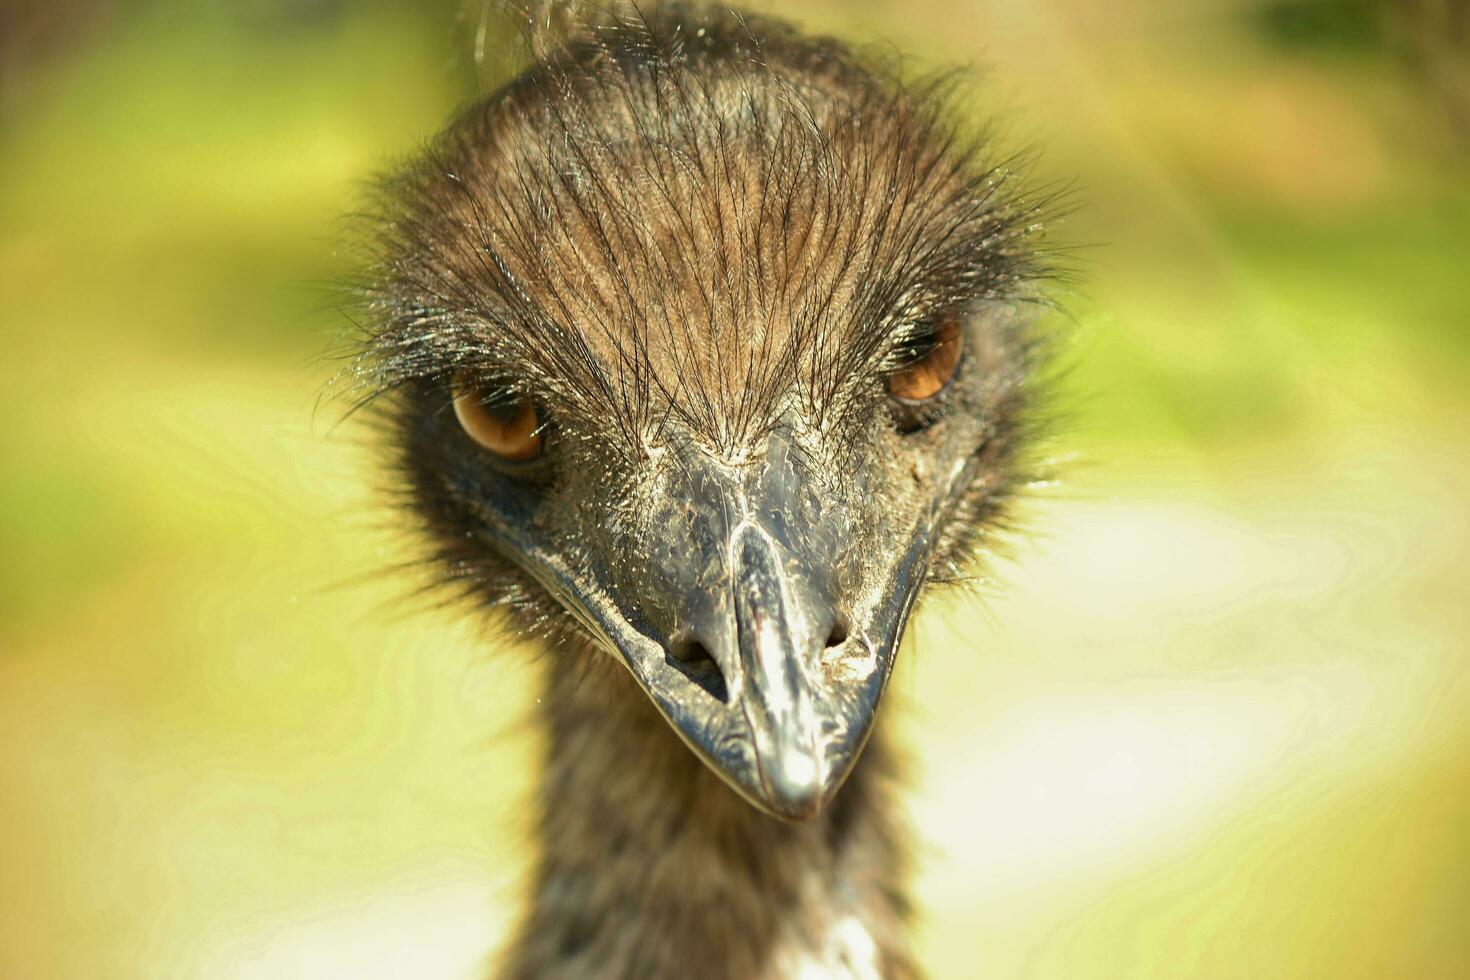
[{"x": 706, "y": 346}]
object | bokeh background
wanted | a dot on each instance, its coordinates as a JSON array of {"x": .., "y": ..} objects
[{"x": 1212, "y": 721}]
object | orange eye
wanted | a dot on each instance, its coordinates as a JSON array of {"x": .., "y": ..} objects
[
  {"x": 509, "y": 429},
  {"x": 926, "y": 377}
]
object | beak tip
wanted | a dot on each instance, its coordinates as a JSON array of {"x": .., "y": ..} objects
[{"x": 795, "y": 787}]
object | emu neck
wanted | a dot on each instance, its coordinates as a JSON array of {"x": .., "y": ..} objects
[{"x": 650, "y": 867}]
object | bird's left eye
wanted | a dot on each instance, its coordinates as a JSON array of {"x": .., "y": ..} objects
[
  {"x": 932, "y": 360},
  {"x": 507, "y": 425}
]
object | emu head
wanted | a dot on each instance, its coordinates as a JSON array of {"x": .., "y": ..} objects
[{"x": 705, "y": 347}]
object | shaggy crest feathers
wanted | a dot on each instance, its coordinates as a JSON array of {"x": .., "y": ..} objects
[{"x": 685, "y": 213}]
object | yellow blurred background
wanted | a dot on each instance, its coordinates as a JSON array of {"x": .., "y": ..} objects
[{"x": 1212, "y": 721}]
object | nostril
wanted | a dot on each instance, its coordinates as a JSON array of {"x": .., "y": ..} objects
[
  {"x": 688, "y": 655},
  {"x": 687, "y": 649},
  {"x": 837, "y": 635}
]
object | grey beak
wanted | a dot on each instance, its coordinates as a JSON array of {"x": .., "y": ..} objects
[
  {"x": 756, "y": 589},
  {"x": 803, "y": 683},
  {"x": 752, "y": 632},
  {"x": 780, "y": 678}
]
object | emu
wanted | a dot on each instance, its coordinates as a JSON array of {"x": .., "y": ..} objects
[{"x": 705, "y": 348}]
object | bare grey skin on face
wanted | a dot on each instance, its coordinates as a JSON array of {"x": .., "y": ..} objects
[{"x": 704, "y": 347}]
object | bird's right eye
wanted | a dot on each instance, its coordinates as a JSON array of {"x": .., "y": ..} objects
[{"x": 507, "y": 425}]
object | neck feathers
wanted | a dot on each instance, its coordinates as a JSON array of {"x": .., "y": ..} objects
[{"x": 652, "y": 868}]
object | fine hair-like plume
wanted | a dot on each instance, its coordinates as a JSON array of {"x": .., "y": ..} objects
[{"x": 680, "y": 211}]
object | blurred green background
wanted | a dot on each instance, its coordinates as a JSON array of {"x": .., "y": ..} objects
[{"x": 1213, "y": 720}]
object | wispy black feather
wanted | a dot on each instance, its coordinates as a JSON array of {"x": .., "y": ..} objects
[{"x": 678, "y": 214}]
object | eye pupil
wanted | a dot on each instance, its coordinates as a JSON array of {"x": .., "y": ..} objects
[
  {"x": 508, "y": 427},
  {"x": 504, "y": 412},
  {"x": 928, "y": 375}
]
